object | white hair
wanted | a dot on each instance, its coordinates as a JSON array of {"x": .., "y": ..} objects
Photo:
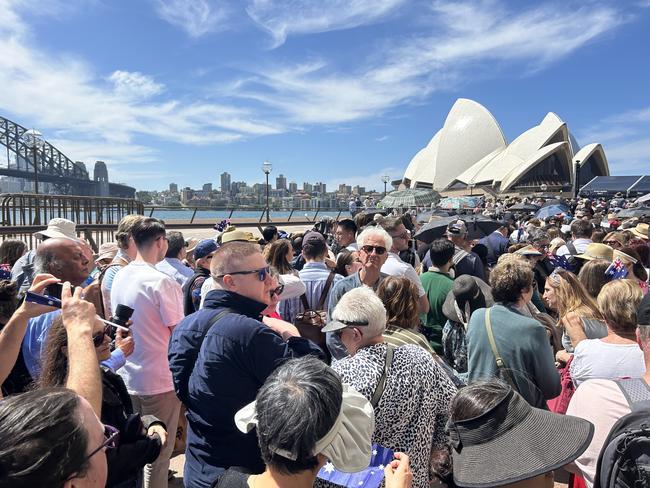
[
  {"x": 361, "y": 304},
  {"x": 375, "y": 231}
]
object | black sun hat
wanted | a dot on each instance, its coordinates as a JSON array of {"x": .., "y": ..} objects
[{"x": 513, "y": 442}]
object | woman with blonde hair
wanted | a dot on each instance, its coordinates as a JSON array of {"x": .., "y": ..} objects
[
  {"x": 617, "y": 355},
  {"x": 577, "y": 311}
]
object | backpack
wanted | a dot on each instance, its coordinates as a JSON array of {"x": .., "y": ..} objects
[
  {"x": 93, "y": 293},
  {"x": 624, "y": 461},
  {"x": 310, "y": 322}
]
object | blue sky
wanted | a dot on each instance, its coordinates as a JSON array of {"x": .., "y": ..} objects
[{"x": 327, "y": 90}]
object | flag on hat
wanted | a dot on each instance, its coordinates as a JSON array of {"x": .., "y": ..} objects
[
  {"x": 371, "y": 477},
  {"x": 616, "y": 270}
]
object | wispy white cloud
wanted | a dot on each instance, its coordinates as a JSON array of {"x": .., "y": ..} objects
[
  {"x": 98, "y": 117},
  {"x": 282, "y": 18},
  {"x": 369, "y": 181},
  {"x": 625, "y": 139},
  {"x": 463, "y": 41},
  {"x": 381, "y": 139},
  {"x": 196, "y": 17}
]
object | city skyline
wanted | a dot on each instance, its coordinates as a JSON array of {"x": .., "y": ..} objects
[{"x": 345, "y": 92}]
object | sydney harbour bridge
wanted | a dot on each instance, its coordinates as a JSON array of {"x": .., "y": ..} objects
[{"x": 30, "y": 164}]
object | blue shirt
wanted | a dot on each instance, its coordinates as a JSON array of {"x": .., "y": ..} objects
[
  {"x": 314, "y": 276},
  {"x": 34, "y": 340},
  {"x": 175, "y": 269}
]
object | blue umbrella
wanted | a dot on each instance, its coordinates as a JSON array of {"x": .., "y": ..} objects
[{"x": 551, "y": 211}]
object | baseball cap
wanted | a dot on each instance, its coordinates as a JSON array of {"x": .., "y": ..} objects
[
  {"x": 312, "y": 236},
  {"x": 457, "y": 228},
  {"x": 204, "y": 248},
  {"x": 342, "y": 324},
  {"x": 58, "y": 227}
]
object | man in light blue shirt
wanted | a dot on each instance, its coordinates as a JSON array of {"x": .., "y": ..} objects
[
  {"x": 314, "y": 275},
  {"x": 173, "y": 265}
]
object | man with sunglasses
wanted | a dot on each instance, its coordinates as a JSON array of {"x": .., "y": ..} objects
[
  {"x": 221, "y": 355},
  {"x": 374, "y": 243}
]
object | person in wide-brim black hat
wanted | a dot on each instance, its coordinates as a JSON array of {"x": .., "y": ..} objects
[
  {"x": 468, "y": 294},
  {"x": 498, "y": 439}
]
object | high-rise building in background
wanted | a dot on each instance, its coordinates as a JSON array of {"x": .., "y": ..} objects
[
  {"x": 320, "y": 188},
  {"x": 307, "y": 187},
  {"x": 207, "y": 187},
  {"x": 173, "y": 188},
  {"x": 358, "y": 190},
  {"x": 225, "y": 183},
  {"x": 293, "y": 187},
  {"x": 281, "y": 182}
]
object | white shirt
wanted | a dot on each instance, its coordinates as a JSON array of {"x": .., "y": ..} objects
[
  {"x": 595, "y": 359},
  {"x": 580, "y": 244},
  {"x": 208, "y": 285},
  {"x": 157, "y": 303},
  {"x": 394, "y": 266}
]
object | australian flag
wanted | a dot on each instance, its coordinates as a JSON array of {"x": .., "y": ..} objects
[
  {"x": 560, "y": 262},
  {"x": 371, "y": 477},
  {"x": 616, "y": 270}
]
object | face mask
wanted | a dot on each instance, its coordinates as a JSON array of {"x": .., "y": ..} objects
[{"x": 347, "y": 444}]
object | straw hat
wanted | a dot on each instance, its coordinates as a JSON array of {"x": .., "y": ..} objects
[
  {"x": 641, "y": 230},
  {"x": 596, "y": 250}
]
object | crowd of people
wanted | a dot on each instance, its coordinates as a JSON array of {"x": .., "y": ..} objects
[{"x": 478, "y": 360}]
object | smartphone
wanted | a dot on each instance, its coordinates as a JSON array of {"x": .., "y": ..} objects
[{"x": 55, "y": 290}]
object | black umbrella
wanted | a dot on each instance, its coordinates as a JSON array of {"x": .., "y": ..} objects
[
  {"x": 373, "y": 211},
  {"x": 524, "y": 207},
  {"x": 629, "y": 213},
  {"x": 477, "y": 226}
]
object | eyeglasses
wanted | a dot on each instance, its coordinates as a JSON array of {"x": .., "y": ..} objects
[
  {"x": 277, "y": 290},
  {"x": 98, "y": 338},
  {"x": 262, "y": 273},
  {"x": 378, "y": 249},
  {"x": 111, "y": 437},
  {"x": 612, "y": 243}
]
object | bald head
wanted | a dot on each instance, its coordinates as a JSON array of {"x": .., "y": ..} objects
[{"x": 64, "y": 258}]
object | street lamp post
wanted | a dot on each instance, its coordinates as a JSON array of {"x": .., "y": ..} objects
[
  {"x": 267, "y": 167},
  {"x": 385, "y": 179}
]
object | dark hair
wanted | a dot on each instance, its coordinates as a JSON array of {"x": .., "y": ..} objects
[
  {"x": 54, "y": 363},
  {"x": 11, "y": 250},
  {"x": 175, "y": 242},
  {"x": 441, "y": 251},
  {"x": 297, "y": 405},
  {"x": 146, "y": 231},
  {"x": 642, "y": 249},
  {"x": 269, "y": 232},
  {"x": 8, "y": 300},
  {"x": 598, "y": 235},
  {"x": 276, "y": 255},
  {"x": 400, "y": 297},
  {"x": 581, "y": 229},
  {"x": 592, "y": 276},
  {"x": 639, "y": 270},
  {"x": 314, "y": 249},
  {"x": 348, "y": 225},
  {"x": 42, "y": 439},
  {"x": 476, "y": 399},
  {"x": 125, "y": 229},
  {"x": 345, "y": 258}
]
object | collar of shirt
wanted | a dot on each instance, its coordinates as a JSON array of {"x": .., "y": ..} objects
[{"x": 314, "y": 265}]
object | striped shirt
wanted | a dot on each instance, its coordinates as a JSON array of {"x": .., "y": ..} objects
[{"x": 398, "y": 336}]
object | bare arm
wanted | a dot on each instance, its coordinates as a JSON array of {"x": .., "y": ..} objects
[
  {"x": 574, "y": 328},
  {"x": 84, "y": 376},
  {"x": 11, "y": 336},
  {"x": 423, "y": 304}
]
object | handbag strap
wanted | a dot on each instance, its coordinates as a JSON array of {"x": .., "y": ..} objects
[
  {"x": 381, "y": 385},
  {"x": 500, "y": 363},
  {"x": 326, "y": 290}
]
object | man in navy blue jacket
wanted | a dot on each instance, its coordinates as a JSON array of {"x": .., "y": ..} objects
[{"x": 219, "y": 367}]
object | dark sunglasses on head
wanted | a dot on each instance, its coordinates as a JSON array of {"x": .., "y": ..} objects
[
  {"x": 262, "y": 273},
  {"x": 111, "y": 436},
  {"x": 378, "y": 249},
  {"x": 98, "y": 338}
]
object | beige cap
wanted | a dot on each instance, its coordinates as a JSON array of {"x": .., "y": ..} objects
[
  {"x": 108, "y": 250},
  {"x": 597, "y": 250},
  {"x": 528, "y": 250},
  {"x": 58, "y": 228}
]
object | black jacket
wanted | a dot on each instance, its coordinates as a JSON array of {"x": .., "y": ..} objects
[
  {"x": 218, "y": 369},
  {"x": 188, "y": 305}
]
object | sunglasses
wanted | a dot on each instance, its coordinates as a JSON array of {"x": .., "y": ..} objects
[
  {"x": 378, "y": 249},
  {"x": 262, "y": 273},
  {"x": 111, "y": 437},
  {"x": 612, "y": 243},
  {"x": 98, "y": 338},
  {"x": 277, "y": 290}
]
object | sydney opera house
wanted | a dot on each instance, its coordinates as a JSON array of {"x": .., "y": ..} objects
[{"x": 471, "y": 152}]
